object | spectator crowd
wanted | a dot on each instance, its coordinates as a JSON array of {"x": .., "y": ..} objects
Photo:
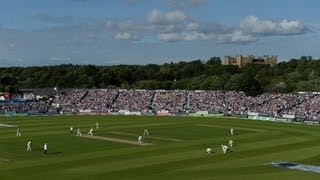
[
  {"x": 176, "y": 101},
  {"x": 98, "y": 100},
  {"x": 170, "y": 100},
  {"x": 133, "y": 100}
]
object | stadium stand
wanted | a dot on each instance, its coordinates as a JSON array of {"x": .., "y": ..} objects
[
  {"x": 303, "y": 106},
  {"x": 98, "y": 100},
  {"x": 173, "y": 101},
  {"x": 133, "y": 100}
]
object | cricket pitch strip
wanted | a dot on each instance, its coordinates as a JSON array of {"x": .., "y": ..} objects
[
  {"x": 116, "y": 140},
  {"x": 3, "y": 160}
]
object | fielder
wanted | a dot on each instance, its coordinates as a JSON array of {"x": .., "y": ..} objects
[
  {"x": 224, "y": 148},
  {"x": 145, "y": 132},
  {"x": 97, "y": 125},
  {"x": 209, "y": 150},
  {"x": 231, "y": 131},
  {"x": 29, "y": 145},
  {"x": 45, "y": 148},
  {"x": 18, "y": 132},
  {"x": 140, "y": 139},
  {"x": 71, "y": 130},
  {"x": 78, "y": 132},
  {"x": 90, "y": 132},
  {"x": 230, "y": 143}
]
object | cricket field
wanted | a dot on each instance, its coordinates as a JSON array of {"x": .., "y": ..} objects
[{"x": 174, "y": 149}]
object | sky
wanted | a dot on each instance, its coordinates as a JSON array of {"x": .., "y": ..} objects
[{"x": 112, "y": 32}]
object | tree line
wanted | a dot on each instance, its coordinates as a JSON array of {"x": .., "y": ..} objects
[{"x": 294, "y": 75}]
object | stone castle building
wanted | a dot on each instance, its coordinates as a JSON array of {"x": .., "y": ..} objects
[{"x": 242, "y": 60}]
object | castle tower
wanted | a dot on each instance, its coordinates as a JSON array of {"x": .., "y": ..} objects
[{"x": 241, "y": 61}]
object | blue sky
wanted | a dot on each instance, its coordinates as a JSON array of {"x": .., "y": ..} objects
[{"x": 108, "y": 32}]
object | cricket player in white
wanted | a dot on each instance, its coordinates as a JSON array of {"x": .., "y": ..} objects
[
  {"x": 71, "y": 130},
  {"x": 45, "y": 148},
  {"x": 231, "y": 131},
  {"x": 78, "y": 132},
  {"x": 90, "y": 132},
  {"x": 230, "y": 143},
  {"x": 140, "y": 139},
  {"x": 145, "y": 132},
  {"x": 224, "y": 148},
  {"x": 18, "y": 132},
  {"x": 209, "y": 150},
  {"x": 29, "y": 145},
  {"x": 97, "y": 125}
]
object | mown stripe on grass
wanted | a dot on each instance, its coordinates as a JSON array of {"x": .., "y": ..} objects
[
  {"x": 142, "y": 125},
  {"x": 228, "y": 127}
]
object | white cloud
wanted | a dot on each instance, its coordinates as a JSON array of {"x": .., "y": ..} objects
[
  {"x": 109, "y": 24},
  {"x": 184, "y": 36},
  {"x": 185, "y": 3},
  {"x": 236, "y": 37},
  {"x": 233, "y": 37},
  {"x": 170, "y": 37},
  {"x": 175, "y": 26},
  {"x": 251, "y": 29},
  {"x": 124, "y": 36},
  {"x": 192, "y": 26},
  {"x": 291, "y": 27},
  {"x": 195, "y": 36},
  {"x": 157, "y": 17},
  {"x": 59, "y": 58},
  {"x": 126, "y": 25},
  {"x": 175, "y": 16},
  {"x": 253, "y": 24}
]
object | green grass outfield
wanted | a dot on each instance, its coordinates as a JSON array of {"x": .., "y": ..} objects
[{"x": 177, "y": 150}]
